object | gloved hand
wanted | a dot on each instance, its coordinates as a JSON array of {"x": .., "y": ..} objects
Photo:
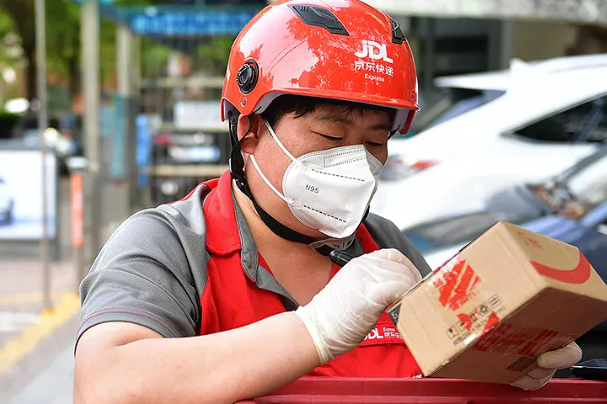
[
  {"x": 344, "y": 312},
  {"x": 548, "y": 364}
]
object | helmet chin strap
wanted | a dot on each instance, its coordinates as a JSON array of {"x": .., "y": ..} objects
[{"x": 237, "y": 172}]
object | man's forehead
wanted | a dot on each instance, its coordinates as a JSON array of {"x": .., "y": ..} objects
[{"x": 352, "y": 116}]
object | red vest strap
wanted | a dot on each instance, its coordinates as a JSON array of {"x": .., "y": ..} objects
[{"x": 366, "y": 241}]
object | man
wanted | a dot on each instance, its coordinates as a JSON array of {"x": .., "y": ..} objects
[{"x": 313, "y": 91}]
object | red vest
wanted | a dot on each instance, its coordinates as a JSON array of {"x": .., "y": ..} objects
[{"x": 232, "y": 299}]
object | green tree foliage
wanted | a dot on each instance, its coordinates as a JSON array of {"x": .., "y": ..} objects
[
  {"x": 10, "y": 43},
  {"x": 21, "y": 13},
  {"x": 11, "y": 55},
  {"x": 213, "y": 55},
  {"x": 64, "y": 45},
  {"x": 62, "y": 36}
]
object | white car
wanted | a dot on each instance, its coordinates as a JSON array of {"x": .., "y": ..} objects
[
  {"x": 7, "y": 203},
  {"x": 579, "y": 194},
  {"x": 549, "y": 116}
]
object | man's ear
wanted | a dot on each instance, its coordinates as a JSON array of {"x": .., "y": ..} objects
[{"x": 248, "y": 140}]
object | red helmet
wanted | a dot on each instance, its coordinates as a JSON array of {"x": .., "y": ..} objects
[{"x": 337, "y": 49}]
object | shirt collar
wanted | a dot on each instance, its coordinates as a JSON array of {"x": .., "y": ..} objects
[
  {"x": 227, "y": 229},
  {"x": 223, "y": 236}
]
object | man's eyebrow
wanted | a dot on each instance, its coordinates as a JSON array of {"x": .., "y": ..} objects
[
  {"x": 387, "y": 126},
  {"x": 336, "y": 119},
  {"x": 381, "y": 126}
]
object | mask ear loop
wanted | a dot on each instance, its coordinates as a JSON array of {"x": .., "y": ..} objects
[
  {"x": 263, "y": 176},
  {"x": 269, "y": 184},
  {"x": 278, "y": 142},
  {"x": 236, "y": 160}
]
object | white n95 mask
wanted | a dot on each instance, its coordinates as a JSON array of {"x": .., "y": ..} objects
[{"x": 328, "y": 190}]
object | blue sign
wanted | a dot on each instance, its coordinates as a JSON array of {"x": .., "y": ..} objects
[
  {"x": 119, "y": 136},
  {"x": 144, "y": 148},
  {"x": 100, "y": 1},
  {"x": 193, "y": 23}
]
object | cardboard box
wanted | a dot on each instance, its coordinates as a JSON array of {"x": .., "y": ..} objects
[{"x": 507, "y": 297}]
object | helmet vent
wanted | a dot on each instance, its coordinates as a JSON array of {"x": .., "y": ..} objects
[
  {"x": 398, "y": 36},
  {"x": 320, "y": 17}
]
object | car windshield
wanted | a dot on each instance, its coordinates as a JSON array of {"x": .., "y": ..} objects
[
  {"x": 449, "y": 103},
  {"x": 577, "y": 190},
  {"x": 588, "y": 186},
  {"x": 16, "y": 126},
  {"x": 516, "y": 205},
  {"x": 584, "y": 123}
]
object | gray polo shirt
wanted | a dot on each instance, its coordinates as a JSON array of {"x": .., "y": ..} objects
[{"x": 153, "y": 269}]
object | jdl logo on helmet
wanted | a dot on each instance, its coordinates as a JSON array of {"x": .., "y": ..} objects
[{"x": 374, "y": 51}]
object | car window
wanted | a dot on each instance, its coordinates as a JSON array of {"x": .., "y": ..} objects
[
  {"x": 466, "y": 103},
  {"x": 584, "y": 123},
  {"x": 447, "y": 232},
  {"x": 589, "y": 185},
  {"x": 15, "y": 126},
  {"x": 448, "y": 103},
  {"x": 7, "y": 124}
]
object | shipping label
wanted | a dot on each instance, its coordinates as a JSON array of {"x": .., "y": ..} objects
[{"x": 476, "y": 321}]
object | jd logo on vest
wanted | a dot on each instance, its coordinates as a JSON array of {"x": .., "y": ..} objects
[
  {"x": 374, "y": 334},
  {"x": 375, "y": 51}
]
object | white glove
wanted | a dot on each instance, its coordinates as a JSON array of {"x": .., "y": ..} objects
[
  {"x": 344, "y": 312},
  {"x": 548, "y": 364}
]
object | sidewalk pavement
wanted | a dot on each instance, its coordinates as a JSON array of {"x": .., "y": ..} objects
[
  {"x": 21, "y": 296},
  {"x": 35, "y": 340},
  {"x": 36, "y": 343},
  {"x": 45, "y": 375},
  {"x": 53, "y": 385}
]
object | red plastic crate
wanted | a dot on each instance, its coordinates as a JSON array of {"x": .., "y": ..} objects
[{"x": 430, "y": 391}]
